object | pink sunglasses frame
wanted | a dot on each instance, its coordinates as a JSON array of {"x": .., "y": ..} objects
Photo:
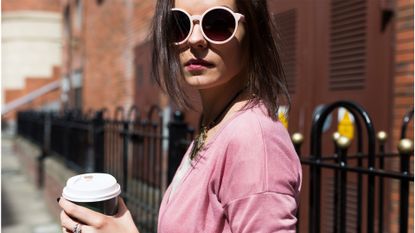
[{"x": 199, "y": 19}]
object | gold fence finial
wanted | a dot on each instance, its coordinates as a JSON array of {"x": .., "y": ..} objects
[
  {"x": 405, "y": 146},
  {"x": 382, "y": 136},
  {"x": 336, "y": 136},
  {"x": 297, "y": 138},
  {"x": 343, "y": 142}
]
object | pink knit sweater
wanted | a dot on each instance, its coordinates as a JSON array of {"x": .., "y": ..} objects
[{"x": 246, "y": 179}]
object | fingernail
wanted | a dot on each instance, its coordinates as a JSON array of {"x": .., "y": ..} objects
[{"x": 58, "y": 199}]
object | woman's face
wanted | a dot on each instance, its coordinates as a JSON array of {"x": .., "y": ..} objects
[{"x": 204, "y": 64}]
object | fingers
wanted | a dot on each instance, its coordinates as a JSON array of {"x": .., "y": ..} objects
[
  {"x": 67, "y": 223},
  {"x": 84, "y": 215}
]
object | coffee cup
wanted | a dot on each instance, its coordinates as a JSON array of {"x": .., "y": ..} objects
[{"x": 96, "y": 191}]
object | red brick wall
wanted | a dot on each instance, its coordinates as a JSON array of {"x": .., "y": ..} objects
[
  {"x": 32, "y": 84},
  {"x": 105, "y": 51},
  {"x": 12, "y": 94},
  {"x": 404, "y": 66},
  {"x": 403, "y": 95},
  {"x": 37, "y": 5},
  {"x": 104, "y": 84}
]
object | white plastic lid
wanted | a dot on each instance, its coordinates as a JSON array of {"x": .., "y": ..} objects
[{"x": 91, "y": 187}]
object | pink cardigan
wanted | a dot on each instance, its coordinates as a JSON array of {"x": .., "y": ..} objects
[{"x": 246, "y": 179}]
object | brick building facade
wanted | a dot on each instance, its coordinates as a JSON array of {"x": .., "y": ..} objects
[
  {"x": 403, "y": 94},
  {"x": 107, "y": 47},
  {"x": 106, "y": 59},
  {"x": 45, "y": 100},
  {"x": 98, "y": 63},
  {"x": 403, "y": 86},
  {"x": 31, "y": 55},
  {"x": 19, "y": 5}
]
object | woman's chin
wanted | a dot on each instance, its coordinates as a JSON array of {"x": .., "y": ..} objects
[{"x": 199, "y": 81}]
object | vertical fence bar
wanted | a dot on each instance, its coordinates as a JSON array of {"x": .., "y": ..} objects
[
  {"x": 315, "y": 184},
  {"x": 381, "y": 136},
  {"x": 315, "y": 156},
  {"x": 154, "y": 180},
  {"x": 45, "y": 149},
  {"x": 99, "y": 141},
  {"x": 359, "y": 175},
  {"x": 371, "y": 202},
  {"x": 359, "y": 197},
  {"x": 371, "y": 165},
  {"x": 65, "y": 138},
  {"x": 155, "y": 120},
  {"x": 125, "y": 142},
  {"x": 335, "y": 138},
  {"x": 315, "y": 172},
  {"x": 147, "y": 173},
  {"x": 407, "y": 118},
  {"x": 343, "y": 143},
  {"x": 140, "y": 173},
  {"x": 120, "y": 136},
  {"x": 405, "y": 148}
]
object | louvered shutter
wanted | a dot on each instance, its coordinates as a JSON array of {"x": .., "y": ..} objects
[{"x": 347, "y": 44}]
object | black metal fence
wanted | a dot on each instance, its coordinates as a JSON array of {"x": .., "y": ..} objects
[
  {"x": 353, "y": 184},
  {"x": 143, "y": 152}
]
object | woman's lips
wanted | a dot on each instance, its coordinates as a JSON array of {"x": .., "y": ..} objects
[{"x": 197, "y": 65}]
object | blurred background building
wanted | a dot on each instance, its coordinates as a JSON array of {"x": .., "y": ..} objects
[
  {"x": 100, "y": 52},
  {"x": 96, "y": 54},
  {"x": 31, "y": 55}
]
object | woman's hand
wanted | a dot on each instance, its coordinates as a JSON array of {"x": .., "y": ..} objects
[{"x": 94, "y": 222}]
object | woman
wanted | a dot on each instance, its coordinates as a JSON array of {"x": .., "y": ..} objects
[{"x": 241, "y": 174}]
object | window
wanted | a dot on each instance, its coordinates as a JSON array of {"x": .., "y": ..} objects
[{"x": 79, "y": 14}]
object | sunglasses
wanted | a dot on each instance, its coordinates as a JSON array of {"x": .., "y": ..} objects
[{"x": 218, "y": 24}]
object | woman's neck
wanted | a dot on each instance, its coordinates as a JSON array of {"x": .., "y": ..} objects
[{"x": 218, "y": 101}]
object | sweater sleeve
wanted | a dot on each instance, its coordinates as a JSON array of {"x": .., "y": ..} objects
[
  {"x": 261, "y": 179},
  {"x": 262, "y": 212}
]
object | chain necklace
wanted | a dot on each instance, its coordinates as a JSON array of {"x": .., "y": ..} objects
[{"x": 201, "y": 137}]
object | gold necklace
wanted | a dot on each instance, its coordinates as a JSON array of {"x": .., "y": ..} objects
[{"x": 200, "y": 139}]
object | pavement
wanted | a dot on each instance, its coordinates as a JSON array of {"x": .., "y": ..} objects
[{"x": 23, "y": 209}]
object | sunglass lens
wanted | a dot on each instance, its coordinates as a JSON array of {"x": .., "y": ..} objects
[
  {"x": 180, "y": 26},
  {"x": 218, "y": 24}
]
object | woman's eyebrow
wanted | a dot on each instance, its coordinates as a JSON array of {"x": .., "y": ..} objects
[{"x": 227, "y": 7}]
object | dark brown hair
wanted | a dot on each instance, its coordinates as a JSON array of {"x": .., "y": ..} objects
[{"x": 266, "y": 75}]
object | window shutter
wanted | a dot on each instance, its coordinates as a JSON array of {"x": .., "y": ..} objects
[
  {"x": 347, "y": 44},
  {"x": 328, "y": 197}
]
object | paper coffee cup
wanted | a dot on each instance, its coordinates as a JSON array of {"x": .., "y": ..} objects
[{"x": 96, "y": 191}]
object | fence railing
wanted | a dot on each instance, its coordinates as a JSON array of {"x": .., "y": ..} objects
[
  {"x": 355, "y": 180},
  {"x": 143, "y": 151}
]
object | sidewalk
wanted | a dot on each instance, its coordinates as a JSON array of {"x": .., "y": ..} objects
[{"x": 23, "y": 209}]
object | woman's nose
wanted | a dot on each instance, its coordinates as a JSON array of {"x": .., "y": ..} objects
[{"x": 196, "y": 38}]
